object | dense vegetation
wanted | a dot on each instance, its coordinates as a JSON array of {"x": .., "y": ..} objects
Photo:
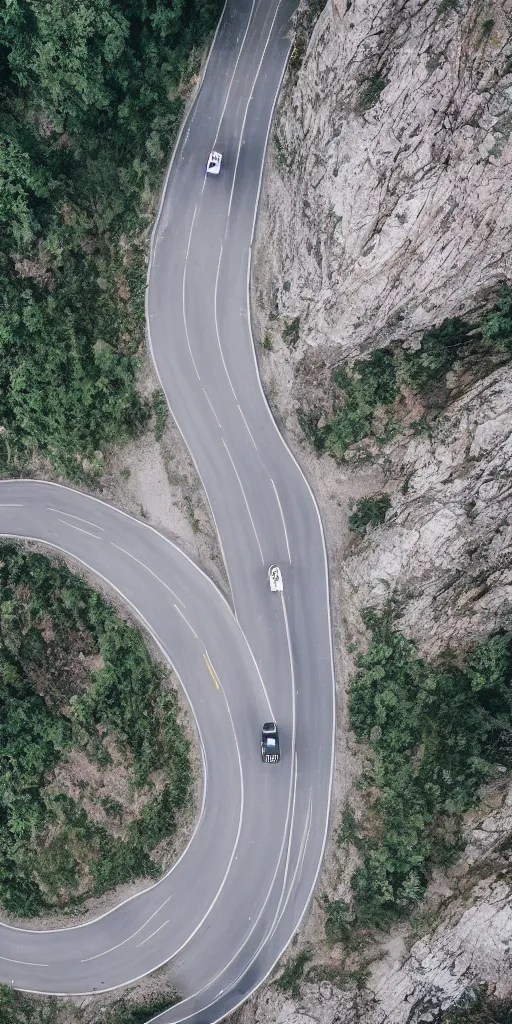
[
  {"x": 480, "y": 1009},
  {"x": 293, "y": 974},
  {"x": 436, "y": 733},
  {"x": 367, "y": 399},
  {"x": 370, "y": 383},
  {"x": 18, "y": 1008},
  {"x": 91, "y": 98},
  {"x": 52, "y": 701},
  {"x": 369, "y": 512}
]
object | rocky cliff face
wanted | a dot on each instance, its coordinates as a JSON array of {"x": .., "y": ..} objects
[
  {"x": 444, "y": 555},
  {"x": 388, "y": 200},
  {"x": 386, "y": 208}
]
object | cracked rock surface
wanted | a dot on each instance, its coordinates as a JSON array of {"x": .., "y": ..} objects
[
  {"x": 387, "y": 194},
  {"x": 445, "y": 550}
]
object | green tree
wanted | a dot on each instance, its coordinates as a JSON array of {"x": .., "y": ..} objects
[
  {"x": 436, "y": 733},
  {"x": 46, "y": 837},
  {"x": 369, "y": 512},
  {"x": 497, "y": 324},
  {"x": 440, "y": 347},
  {"x": 92, "y": 97}
]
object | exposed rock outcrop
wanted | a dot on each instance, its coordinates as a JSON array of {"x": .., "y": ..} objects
[
  {"x": 388, "y": 198},
  {"x": 445, "y": 552}
]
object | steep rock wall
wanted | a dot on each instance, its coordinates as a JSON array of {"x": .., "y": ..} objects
[
  {"x": 387, "y": 199},
  {"x": 444, "y": 554}
]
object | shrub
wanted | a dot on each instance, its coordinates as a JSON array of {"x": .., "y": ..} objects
[
  {"x": 440, "y": 347},
  {"x": 370, "y": 92},
  {"x": 368, "y": 384},
  {"x": 160, "y": 411},
  {"x": 306, "y": 17},
  {"x": 347, "y": 832},
  {"x": 447, "y": 5},
  {"x": 19, "y": 1008},
  {"x": 497, "y": 323},
  {"x": 373, "y": 384},
  {"x": 479, "y": 1008},
  {"x": 308, "y": 421},
  {"x": 369, "y": 512},
  {"x": 291, "y": 332},
  {"x": 293, "y": 973},
  {"x": 338, "y": 924},
  {"x": 436, "y": 733}
]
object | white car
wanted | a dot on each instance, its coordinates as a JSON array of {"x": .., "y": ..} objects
[
  {"x": 214, "y": 162},
  {"x": 274, "y": 578}
]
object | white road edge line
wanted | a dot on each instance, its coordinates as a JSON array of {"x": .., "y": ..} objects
[
  {"x": 192, "y": 630},
  {"x": 152, "y": 934},
  {"x": 245, "y": 499},
  {"x": 130, "y": 937},
  {"x": 246, "y": 112},
  {"x": 8, "y": 504},
  {"x": 24, "y": 963},
  {"x": 183, "y": 287},
  {"x": 282, "y": 517},
  {"x": 289, "y": 822},
  {"x": 71, "y": 527},
  {"x": 217, "y": 327},
  {"x": 213, "y": 410},
  {"x": 61, "y": 512},
  {"x": 146, "y": 567}
]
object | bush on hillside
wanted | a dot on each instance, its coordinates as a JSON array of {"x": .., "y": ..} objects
[{"x": 436, "y": 733}]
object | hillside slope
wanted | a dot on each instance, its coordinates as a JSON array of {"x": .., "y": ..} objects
[{"x": 384, "y": 231}]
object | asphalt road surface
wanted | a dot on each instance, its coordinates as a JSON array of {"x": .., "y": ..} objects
[{"x": 227, "y": 909}]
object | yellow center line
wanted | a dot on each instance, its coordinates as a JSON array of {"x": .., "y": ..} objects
[{"x": 211, "y": 670}]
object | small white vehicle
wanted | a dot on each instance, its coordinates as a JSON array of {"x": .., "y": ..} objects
[
  {"x": 275, "y": 579},
  {"x": 213, "y": 163}
]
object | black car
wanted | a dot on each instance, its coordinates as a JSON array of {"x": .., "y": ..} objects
[{"x": 270, "y": 743}]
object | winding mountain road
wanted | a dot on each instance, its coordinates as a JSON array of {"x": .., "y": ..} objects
[{"x": 227, "y": 909}]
